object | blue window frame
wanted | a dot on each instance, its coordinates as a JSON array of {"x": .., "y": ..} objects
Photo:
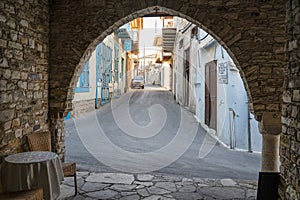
[{"x": 83, "y": 84}]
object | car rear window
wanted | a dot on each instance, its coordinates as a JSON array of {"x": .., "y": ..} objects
[{"x": 138, "y": 78}]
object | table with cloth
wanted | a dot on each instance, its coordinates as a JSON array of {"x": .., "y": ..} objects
[{"x": 31, "y": 170}]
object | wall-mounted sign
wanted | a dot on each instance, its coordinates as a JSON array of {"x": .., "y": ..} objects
[
  {"x": 127, "y": 45},
  {"x": 223, "y": 73}
]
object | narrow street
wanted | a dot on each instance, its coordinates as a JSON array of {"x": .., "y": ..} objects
[{"x": 220, "y": 162}]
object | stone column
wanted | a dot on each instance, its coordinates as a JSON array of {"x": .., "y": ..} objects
[
  {"x": 270, "y": 153},
  {"x": 270, "y": 128}
]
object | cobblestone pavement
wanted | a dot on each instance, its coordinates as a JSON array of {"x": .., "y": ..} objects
[{"x": 154, "y": 187}]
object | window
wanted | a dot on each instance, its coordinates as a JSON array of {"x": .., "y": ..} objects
[{"x": 84, "y": 79}]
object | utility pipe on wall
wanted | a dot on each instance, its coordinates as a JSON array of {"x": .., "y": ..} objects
[
  {"x": 249, "y": 132},
  {"x": 231, "y": 128}
]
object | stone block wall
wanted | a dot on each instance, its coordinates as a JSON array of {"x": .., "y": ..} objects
[
  {"x": 82, "y": 106},
  {"x": 290, "y": 138},
  {"x": 24, "y": 48}
]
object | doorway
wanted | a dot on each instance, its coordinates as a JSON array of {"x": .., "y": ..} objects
[
  {"x": 186, "y": 68},
  {"x": 211, "y": 94}
]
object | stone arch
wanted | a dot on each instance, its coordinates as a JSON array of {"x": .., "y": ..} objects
[
  {"x": 251, "y": 31},
  {"x": 142, "y": 13}
]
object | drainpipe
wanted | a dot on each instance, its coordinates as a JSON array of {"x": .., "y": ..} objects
[
  {"x": 249, "y": 133},
  {"x": 97, "y": 57},
  {"x": 231, "y": 128}
]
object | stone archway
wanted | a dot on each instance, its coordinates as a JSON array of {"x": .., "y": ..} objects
[
  {"x": 252, "y": 33},
  {"x": 249, "y": 31}
]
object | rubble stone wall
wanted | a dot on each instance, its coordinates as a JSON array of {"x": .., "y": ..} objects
[
  {"x": 290, "y": 138},
  {"x": 24, "y": 55},
  {"x": 82, "y": 106}
]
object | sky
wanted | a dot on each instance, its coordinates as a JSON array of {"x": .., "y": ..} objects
[{"x": 148, "y": 33}]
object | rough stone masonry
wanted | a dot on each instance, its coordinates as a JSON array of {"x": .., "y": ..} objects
[
  {"x": 24, "y": 57},
  {"x": 290, "y": 137}
]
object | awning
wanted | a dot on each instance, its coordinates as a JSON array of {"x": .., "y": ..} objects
[{"x": 168, "y": 39}]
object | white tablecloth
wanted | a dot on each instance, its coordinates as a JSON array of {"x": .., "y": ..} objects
[{"x": 30, "y": 170}]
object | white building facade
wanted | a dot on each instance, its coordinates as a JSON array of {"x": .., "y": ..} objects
[{"x": 207, "y": 82}]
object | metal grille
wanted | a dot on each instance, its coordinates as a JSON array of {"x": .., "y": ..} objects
[{"x": 104, "y": 71}]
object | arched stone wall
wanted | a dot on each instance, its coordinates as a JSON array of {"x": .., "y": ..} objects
[
  {"x": 44, "y": 43},
  {"x": 251, "y": 31}
]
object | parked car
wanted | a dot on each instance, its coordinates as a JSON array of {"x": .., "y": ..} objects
[{"x": 137, "y": 81}]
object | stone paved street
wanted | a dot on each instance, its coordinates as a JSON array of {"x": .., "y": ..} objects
[
  {"x": 89, "y": 149},
  {"x": 154, "y": 187}
]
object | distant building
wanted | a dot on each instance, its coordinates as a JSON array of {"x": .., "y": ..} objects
[
  {"x": 107, "y": 73},
  {"x": 164, "y": 56},
  {"x": 207, "y": 82}
]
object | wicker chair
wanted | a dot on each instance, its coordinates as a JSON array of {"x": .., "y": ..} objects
[{"x": 42, "y": 142}]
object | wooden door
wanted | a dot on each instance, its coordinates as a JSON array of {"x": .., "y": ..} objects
[
  {"x": 187, "y": 76},
  {"x": 211, "y": 94}
]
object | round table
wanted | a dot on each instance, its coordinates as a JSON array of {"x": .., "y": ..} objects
[{"x": 31, "y": 170}]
